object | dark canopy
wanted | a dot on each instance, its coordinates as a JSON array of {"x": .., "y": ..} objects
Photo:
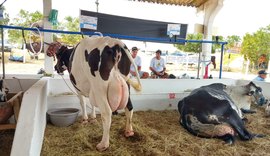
[{"x": 111, "y": 24}]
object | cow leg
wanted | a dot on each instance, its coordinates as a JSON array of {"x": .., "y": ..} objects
[
  {"x": 84, "y": 112},
  {"x": 235, "y": 121},
  {"x": 93, "y": 110},
  {"x": 129, "y": 130},
  {"x": 106, "y": 115},
  {"x": 93, "y": 115}
]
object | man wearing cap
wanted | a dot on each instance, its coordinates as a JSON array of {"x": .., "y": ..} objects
[
  {"x": 138, "y": 62},
  {"x": 157, "y": 66},
  {"x": 261, "y": 76}
]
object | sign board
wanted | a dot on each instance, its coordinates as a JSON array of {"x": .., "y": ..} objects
[
  {"x": 88, "y": 22},
  {"x": 173, "y": 29}
]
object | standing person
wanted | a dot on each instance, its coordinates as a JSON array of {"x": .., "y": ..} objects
[
  {"x": 157, "y": 66},
  {"x": 261, "y": 76},
  {"x": 138, "y": 62}
]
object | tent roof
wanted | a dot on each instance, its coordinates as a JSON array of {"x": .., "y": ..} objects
[{"x": 191, "y": 3}]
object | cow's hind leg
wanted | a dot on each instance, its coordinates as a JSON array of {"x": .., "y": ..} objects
[
  {"x": 83, "y": 106},
  {"x": 106, "y": 115},
  {"x": 129, "y": 130},
  {"x": 129, "y": 112}
]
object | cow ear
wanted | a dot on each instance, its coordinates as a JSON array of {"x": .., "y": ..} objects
[{"x": 252, "y": 84}]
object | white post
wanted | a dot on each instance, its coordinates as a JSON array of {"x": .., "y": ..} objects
[
  {"x": 48, "y": 37},
  {"x": 247, "y": 65},
  {"x": 212, "y": 7}
]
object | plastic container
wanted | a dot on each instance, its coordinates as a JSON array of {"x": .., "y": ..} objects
[{"x": 63, "y": 117}]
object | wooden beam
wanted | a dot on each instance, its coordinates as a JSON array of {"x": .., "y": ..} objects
[{"x": 7, "y": 126}]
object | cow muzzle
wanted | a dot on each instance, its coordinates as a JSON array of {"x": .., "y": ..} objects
[
  {"x": 60, "y": 70},
  {"x": 259, "y": 98}
]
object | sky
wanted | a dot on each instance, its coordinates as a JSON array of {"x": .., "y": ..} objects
[{"x": 237, "y": 17}]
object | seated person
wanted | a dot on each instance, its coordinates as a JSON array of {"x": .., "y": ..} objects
[
  {"x": 138, "y": 62},
  {"x": 157, "y": 66},
  {"x": 261, "y": 76}
]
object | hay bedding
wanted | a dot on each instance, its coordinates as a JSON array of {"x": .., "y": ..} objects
[
  {"x": 6, "y": 139},
  {"x": 156, "y": 133}
]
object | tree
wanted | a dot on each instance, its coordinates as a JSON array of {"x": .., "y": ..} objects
[
  {"x": 232, "y": 41},
  {"x": 70, "y": 24},
  {"x": 6, "y": 19},
  {"x": 256, "y": 44},
  {"x": 24, "y": 19},
  {"x": 189, "y": 46},
  {"x": 216, "y": 46},
  {"x": 197, "y": 47}
]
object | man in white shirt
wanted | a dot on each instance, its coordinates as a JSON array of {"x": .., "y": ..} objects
[
  {"x": 138, "y": 62},
  {"x": 157, "y": 66}
]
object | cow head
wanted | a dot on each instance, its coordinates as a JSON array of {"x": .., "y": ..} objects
[
  {"x": 256, "y": 92},
  {"x": 62, "y": 56}
]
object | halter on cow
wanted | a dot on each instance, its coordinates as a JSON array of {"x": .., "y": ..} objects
[
  {"x": 99, "y": 68},
  {"x": 210, "y": 111}
]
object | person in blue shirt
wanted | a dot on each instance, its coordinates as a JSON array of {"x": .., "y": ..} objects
[{"x": 261, "y": 76}]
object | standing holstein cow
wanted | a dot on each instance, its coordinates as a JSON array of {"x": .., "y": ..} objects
[
  {"x": 209, "y": 112},
  {"x": 99, "y": 68}
]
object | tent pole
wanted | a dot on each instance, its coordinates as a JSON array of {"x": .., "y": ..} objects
[
  {"x": 3, "y": 54},
  {"x": 199, "y": 62}
]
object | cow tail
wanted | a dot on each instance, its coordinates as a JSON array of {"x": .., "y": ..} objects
[{"x": 136, "y": 85}]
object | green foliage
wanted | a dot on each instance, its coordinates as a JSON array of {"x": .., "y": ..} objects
[
  {"x": 197, "y": 47},
  {"x": 6, "y": 19},
  {"x": 24, "y": 19},
  {"x": 189, "y": 46},
  {"x": 70, "y": 24},
  {"x": 256, "y": 44},
  {"x": 216, "y": 46},
  {"x": 232, "y": 40},
  {"x": 229, "y": 57}
]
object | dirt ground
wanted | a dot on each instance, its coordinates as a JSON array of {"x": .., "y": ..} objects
[{"x": 31, "y": 66}]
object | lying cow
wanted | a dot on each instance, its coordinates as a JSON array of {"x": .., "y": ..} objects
[
  {"x": 99, "y": 68},
  {"x": 244, "y": 102},
  {"x": 210, "y": 112}
]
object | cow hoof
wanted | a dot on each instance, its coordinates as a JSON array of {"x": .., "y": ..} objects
[
  {"x": 92, "y": 120},
  {"x": 84, "y": 121},
  {"x": 101, "y": 147},
  {"x": 129, "y": 133}
]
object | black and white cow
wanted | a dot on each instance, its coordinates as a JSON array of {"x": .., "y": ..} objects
[
  {"x": 209, "y": 112},
  {"x": 99, "y": 68}
]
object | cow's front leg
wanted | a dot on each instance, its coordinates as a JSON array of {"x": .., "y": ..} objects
[
  {"x": 84, "y": 111},
  {"x": 106, "y": 114},
  {"x": 129, "y": 130}
]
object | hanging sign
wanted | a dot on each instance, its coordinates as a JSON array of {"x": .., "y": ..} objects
[
  {"x": 173, "y": 29},
  {"x": 88, "y": 22}
]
